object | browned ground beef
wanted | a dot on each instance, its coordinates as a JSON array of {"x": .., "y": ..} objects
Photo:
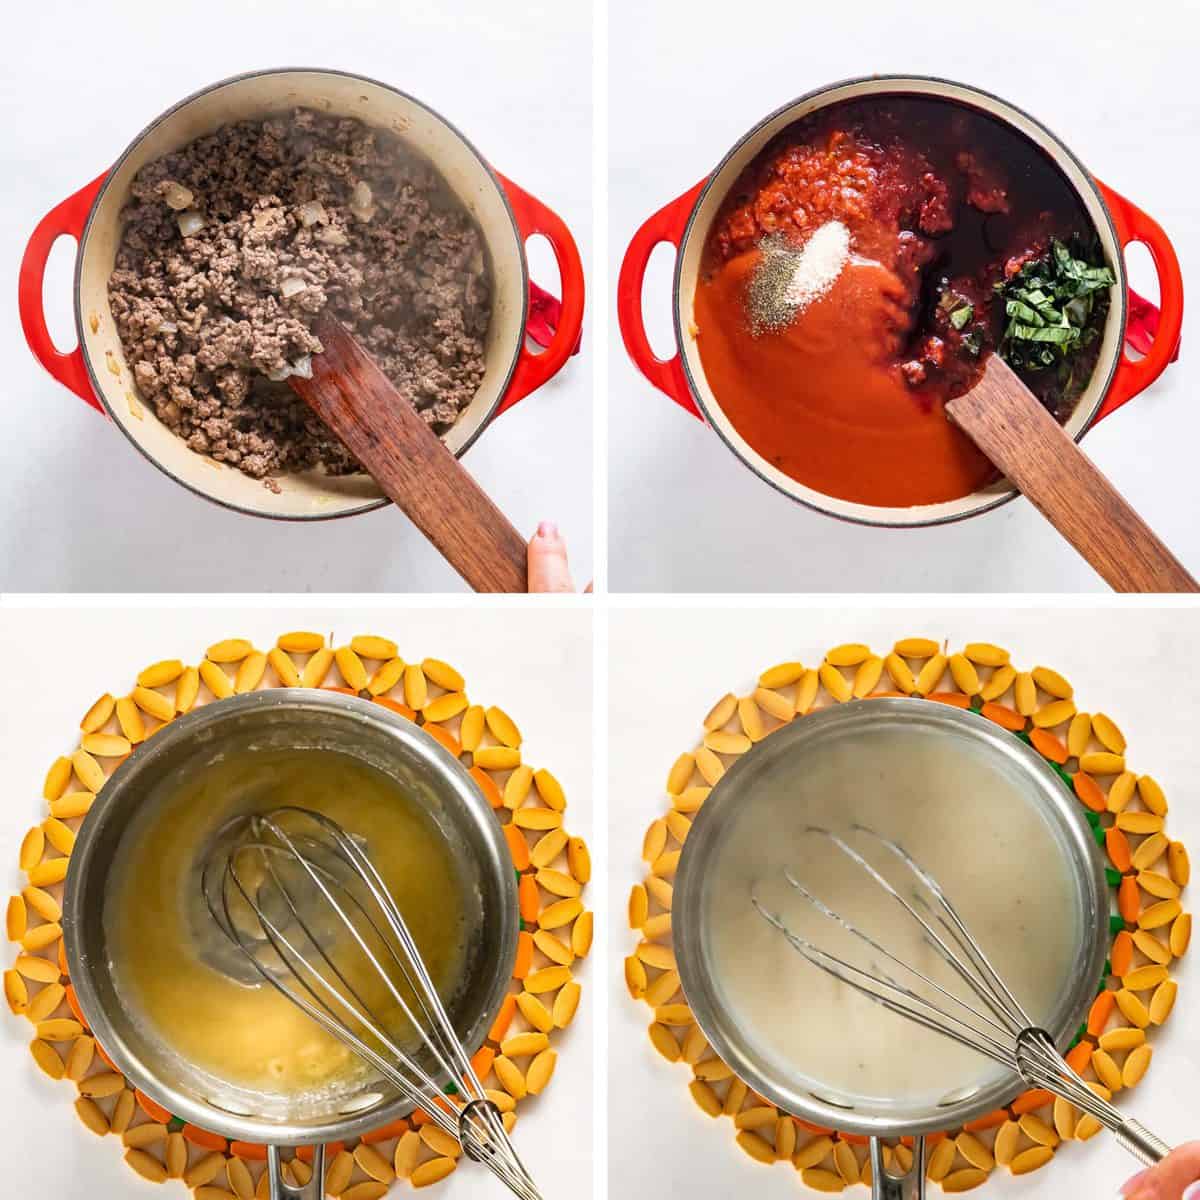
[{"x": 369, "y": 228}]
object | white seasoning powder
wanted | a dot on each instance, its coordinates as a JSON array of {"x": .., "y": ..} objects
[
  {"x": 820, "y": 263},
  {"x": 788, "y": 279}
]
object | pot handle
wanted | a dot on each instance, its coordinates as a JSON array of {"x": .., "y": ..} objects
[
  {"x": 535, "y": 369},
  {"x": 1133, "y": 225},
  {"x": 666, "y": 225},
  {"x": 898, "y": 1187},
  {"x": 64, "y": 220},
  {"x": 280, "y": 1189}
]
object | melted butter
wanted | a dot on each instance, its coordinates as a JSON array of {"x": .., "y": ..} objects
[{"x": 158, "y": 927}]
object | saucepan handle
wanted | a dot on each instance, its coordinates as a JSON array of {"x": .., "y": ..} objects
[
  {"x": 535, "y": 369},
  {"x": 1133, "y": 225},
  {"x": 667, "y": 225},
  {"x": 898, "y": 1187},
  {"x": 314, "y": 1189},
  {"x": 64, "y": 220}
]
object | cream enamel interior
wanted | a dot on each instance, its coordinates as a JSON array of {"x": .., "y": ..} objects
[
  {"x": 308, "y": 494},
  {"x": 691, "y": 252}
]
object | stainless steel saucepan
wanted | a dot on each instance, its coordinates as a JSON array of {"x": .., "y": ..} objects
[
  {"x": 782, "y": 755},
  {"x": 299, "y": 719}
]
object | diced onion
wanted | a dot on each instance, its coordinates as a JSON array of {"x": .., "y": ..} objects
[
  {"x": 301, "y": 367},
  {"x": 177, "y": 196},
  {"x": 168, "y": 327},
  {"x": 311, "y": 212},
  {"x": 333, "y": 236},
  {"x": 190, "y": 223},
  {"x": 362, "y": 203},
  {"x": 291, "y": 285}
]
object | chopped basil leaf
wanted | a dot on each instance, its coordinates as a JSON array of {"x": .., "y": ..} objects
[
  {"x": 1054, "y": 306},
  {"x": 960, "y": 316}
]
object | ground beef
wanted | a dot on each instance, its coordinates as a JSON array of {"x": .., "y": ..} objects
[{"x": 365, "y": 224}]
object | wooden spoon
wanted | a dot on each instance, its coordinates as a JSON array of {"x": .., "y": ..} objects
[
  {"x": 383, "y": 430},
  {"x": 1007, "y": 422}
]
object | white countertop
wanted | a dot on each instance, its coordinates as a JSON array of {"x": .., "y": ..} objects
[
  {"x": 1116, "y": 83},
  {"x": 536, "y": 665},
  {"x": 1129, "y": 665},
  {"x": 82, "y": 510}
]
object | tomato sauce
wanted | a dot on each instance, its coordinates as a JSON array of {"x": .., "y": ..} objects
[{"x": 847, "y": 395}]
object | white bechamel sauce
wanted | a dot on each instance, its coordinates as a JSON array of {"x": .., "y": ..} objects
[{"x": 966, "y": 817}]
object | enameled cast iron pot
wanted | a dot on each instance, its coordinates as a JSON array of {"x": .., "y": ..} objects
[
  {"x": 706, "y": 993},
  {"x": 289, "y": 718},
  {"x": 685, "y": 223},
  {"x": 507, "y": 215}
]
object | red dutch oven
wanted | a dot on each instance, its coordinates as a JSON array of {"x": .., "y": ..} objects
[
  {"x": 96, "y": 369},
  {"x": 685, "y": 223}
]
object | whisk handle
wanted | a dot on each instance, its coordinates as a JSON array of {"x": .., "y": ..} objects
[
  {"x": 1141, "y": 1143},
  {"x": 898, "y": 1187},
  {"x": 314, "y": 1189}
]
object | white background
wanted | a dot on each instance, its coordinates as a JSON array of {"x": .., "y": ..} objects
[
  {"x": 1115, "y": 81},
  {"x": 82, "y": 510},
  {"x": 1123, "y": 663},
  {"x": 536, "y": 665}
]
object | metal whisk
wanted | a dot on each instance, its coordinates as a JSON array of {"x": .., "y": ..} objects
[
  {"x": 995, "y": 1025},
  {"x": 302, "y": 901}
]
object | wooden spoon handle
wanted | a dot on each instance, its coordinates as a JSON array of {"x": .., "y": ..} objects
[
  {"x": 412, "y": 466},
  {"x": 1035, "y": 453}
]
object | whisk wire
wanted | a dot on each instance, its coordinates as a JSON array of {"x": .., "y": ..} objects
[
  {"x": 290, "y": 853},
  {"x": 995, "y": 1024},
  {"x": 1006, "y": 1004}
]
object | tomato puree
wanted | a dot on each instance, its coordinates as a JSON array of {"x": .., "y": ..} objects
[{"x": 846, "y": 394}]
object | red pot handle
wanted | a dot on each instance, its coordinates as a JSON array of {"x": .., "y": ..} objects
[
  {"x": 666, "y": 225},
  {"x": 535, "y": 369},
  {"x": 1132, "y": 377},
  {"x": 64, "y": 220}
]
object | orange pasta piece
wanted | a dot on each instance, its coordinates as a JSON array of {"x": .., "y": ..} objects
[
  {"x": 1088, "y": 791},
  {"x": 487, "y": 785},
  {"x": 482, "y": 1061},
  {"x": 529, "y": 901},
  {"x": 518, "y": 847},
  {"x": 447, "y": 739},
  {"x": 503, "y": 1019},
  {"x": 396, "y": 707},
  {"x": 1048, "y": 746},
  {"x": 251, "y": 1151},
  {"x": 1129, "y": 901},
  {"x": 988, "y": 1121},
  {"x": 1078, "y": 1057},
  {"x": 1007, "y": 718},
  {"x": 1117, "y": 845},
  {"x": 1099, "y": 1013},
  {"x": 1121, "y": 956},
  {"x": 1035, "y": 1098},
  {"x": 524, "y": 955},
  {"x": 197, "y": 1136}
]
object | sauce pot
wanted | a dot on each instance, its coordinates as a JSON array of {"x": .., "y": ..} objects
[
  {"x": 295, "y": 719},
  {"x": 706, "y": 993},
  {"x": 685, "y": 223},
  {"x": 507, "y": 215}
]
